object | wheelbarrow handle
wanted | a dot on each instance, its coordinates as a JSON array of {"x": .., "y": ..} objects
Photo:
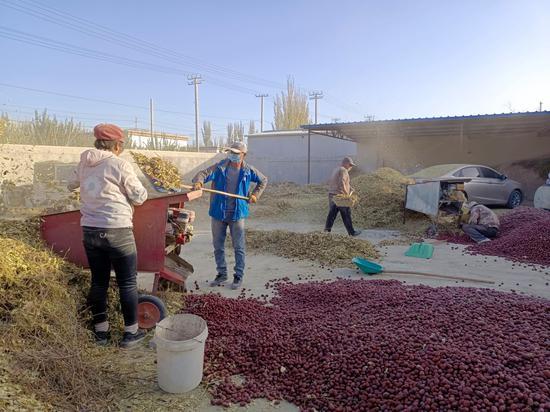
[{"x": 219, "y": 192}]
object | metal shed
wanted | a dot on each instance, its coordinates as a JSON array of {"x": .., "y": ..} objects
[{"x": 410, "y": 144}]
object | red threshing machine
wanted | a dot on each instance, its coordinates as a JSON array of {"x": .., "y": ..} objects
[{"x": 161, "y": 227}]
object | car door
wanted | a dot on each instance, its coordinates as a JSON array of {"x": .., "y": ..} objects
[
  {"x": 495, "y": 186},
  {"x": 475, "y": 188}
]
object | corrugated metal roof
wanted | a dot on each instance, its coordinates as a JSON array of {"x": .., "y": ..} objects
[
  {"x": 267, "y": 133},
  {"x": 325, "y": 126}
]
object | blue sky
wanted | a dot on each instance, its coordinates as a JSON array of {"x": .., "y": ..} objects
[{"x": 389, "y": 59}]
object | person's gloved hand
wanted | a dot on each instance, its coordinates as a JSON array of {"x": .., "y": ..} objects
[
  {"x": 253, "y": 199},
  {"x": 197, "y": 186}
]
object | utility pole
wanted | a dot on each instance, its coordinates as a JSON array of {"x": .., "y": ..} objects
[
  {"x": 540, "y": 106},
  {"x": 316, "y": 95},
  {"x": 261, "y": 96},
  {"x": 151, "y": 117},
  {"x": 195, "y": 80}
]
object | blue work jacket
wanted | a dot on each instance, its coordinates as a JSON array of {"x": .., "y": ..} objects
[{"x": 217, "y": 174}]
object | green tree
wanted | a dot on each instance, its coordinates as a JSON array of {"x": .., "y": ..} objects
[
  {"x": 4, "y": 120},
  {"x": 239, "y": 131},
  {"x": 44, "y": 129},
  {"x": 252, "y": 127},
  {"x": 235, "y": 132},
  {"x": 230, "y": 133},
  {"x": 290, "y": 108},
  {"x": 207, "y": 134}
]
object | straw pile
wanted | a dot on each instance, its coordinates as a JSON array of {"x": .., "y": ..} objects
[
  {"x": 291, "y": 201},
  {"x": 327, "y": 249},
  {"x": 163, "y": 173},
  {"x": 381, "y": 196},
  {"x": 49, "y": 350}
]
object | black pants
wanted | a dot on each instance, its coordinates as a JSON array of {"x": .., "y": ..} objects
[
  {"x": 116, "y": 248},
  {"x": 480, "y": 232},
  {"x": 346, "y": 217}
]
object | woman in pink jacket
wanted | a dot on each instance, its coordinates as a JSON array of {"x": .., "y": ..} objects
[{"x": 109, "y": 189}]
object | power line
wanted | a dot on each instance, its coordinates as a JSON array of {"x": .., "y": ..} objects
[
  {"x": 23, "y": 37},
  {"x": 94, "y": 29},
  {"x": 95, "y": 100},
  {"x": 56, "y": 110},
  {"x": 72, "y": 96},
  {"x": 97, "y": 116},
  {"x": 87, "y": 27},
  {"x": 83, "y": 120}
]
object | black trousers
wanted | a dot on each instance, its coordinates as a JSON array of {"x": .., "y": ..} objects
[
  {"x": 116, "y": 248},
  {"x": 346, "y": 217}
]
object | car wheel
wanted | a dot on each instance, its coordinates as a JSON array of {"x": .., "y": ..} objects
[{"x": 515, "y": 199}]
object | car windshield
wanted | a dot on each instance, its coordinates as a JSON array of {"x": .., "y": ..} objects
[{"x": 435, "y": 171}]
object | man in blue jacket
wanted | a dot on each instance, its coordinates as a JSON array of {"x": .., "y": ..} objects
[{"x": 232, "y": 175}]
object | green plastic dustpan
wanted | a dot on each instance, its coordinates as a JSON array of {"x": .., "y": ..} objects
[
  {"x": 420, "y": 250},
  {"x": 366, "y": 266}
]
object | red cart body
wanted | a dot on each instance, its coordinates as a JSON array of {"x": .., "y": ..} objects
[{"x": 62, "y": 232}]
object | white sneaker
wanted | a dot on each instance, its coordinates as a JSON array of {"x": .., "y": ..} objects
[{"x": 483, "y": 241}]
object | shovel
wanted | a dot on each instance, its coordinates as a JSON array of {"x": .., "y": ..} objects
[{"x": 372, "y": 268}]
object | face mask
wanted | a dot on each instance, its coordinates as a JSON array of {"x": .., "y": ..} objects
[{"x": 234, "y": 157}]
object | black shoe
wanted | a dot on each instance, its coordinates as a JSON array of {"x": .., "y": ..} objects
[
  {"x": 102, "y": 338},
  {"x": 237, "y": 283},
  {"x": 327, "y": 230},
  {"x": 355, "y": 233},
  {"x": 220, "y": 279},
  {"x": 130, "y": 340}
]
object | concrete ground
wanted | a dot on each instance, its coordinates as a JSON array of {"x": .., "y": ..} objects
[{"x": 448, "y": 260}]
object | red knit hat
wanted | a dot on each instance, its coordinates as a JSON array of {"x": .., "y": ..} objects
[{"x": 106, "y": 131}]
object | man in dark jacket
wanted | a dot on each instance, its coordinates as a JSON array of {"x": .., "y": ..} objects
[
  {"x": 232, "y": 175},
  {"x": 339, "y": 184}
]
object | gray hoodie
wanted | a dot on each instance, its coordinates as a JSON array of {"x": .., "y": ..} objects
[{"x": 109, "y": 188}]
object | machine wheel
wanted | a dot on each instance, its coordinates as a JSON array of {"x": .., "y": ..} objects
[
  {"x": 515, "y": 199},
  {"x": 151, "y": 310}
]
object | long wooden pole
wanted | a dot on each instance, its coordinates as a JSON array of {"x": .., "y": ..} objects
[
  {"x": 219, "y": 192},
  {"x": 431, "y": 275}
]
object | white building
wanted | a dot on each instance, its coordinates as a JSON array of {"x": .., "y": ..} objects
[
  {"x": 292, "y": 156},
  {"x": 142, "y": 139}
]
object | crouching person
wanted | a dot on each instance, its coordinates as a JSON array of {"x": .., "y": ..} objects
[{"x": 483, "y": 224}]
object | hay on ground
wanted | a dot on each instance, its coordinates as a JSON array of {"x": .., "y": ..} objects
[
  {"x": 50, "y": 353},
  {"x": 328, "y": 249},
  {"x": 48, "y": 360}
]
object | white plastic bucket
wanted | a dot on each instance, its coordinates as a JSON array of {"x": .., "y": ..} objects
[{"x": 180, "y": 342}]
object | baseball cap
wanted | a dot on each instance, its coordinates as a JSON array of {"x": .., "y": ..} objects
[
  {"x": 349, "y": 160},
  {"x": 237, "y": 147},
  {"x": 106, "y": 131}
]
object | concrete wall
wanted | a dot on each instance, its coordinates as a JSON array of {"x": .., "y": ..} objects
[
  {"x": 36, "y": 176},
  {"x": 282, "y": 156},
  {"x": 410, "y": 154}
]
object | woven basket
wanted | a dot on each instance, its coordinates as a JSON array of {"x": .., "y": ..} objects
[{"x": 345, "y": 200}]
